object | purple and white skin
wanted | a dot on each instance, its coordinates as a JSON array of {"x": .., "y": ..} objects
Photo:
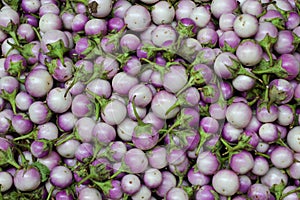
[
  {"x": 249, "y": 47},
  {"x": 169, "y": 181},
  {"x": 177, "y": 193},
  {"x": 9, "y": 86},
  {"x": 55, "y": 44},
  {"x": 207, "y": 163},
  {"x": 38, "y": 77},
  {"x": 39, "y": 113},
  {"x": 137, "y": 18},
  {"x": 130, "y": 184},
  {"x": 245, "y": 25},
  {"x": 239, "y": 114},
  {"x": 136, "y": 161},
  {"x": 99, "y": 8},
  {"x": 27, "y": 179},
  {"x": 292, "y": 136},
  {"x": 219, "y": 7},
  {"x": 221, "y": 183},
  {"x": 61, "y": 176},
  {"x": 6, "y": 181},
  {"x": 259, "y": 191}
]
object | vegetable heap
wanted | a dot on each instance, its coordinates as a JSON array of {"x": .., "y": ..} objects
[{"x": 149, "y": 99}]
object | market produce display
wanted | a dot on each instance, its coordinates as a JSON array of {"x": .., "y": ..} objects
[{"x": 149, "y": 99}]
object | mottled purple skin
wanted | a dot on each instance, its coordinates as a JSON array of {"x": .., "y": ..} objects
[
  {"x": 266, "y": 115},
  {"x": 254, "y": 138},
  {"x": 206, "y": 72},
  {"x": 82, "y": 106},
  {"x": 245, "y": 183},
  {"x": 209, "y": 125},
  {"x": 285, "y": 42},
  {"x": 25, "y": 32},
  {"x": 290, "y": 64},
  {"x": 107, "y": 46},
  {"x": 49, "y": 7},
  {"x": 66, "y": 121},
  {"x": 78, "y": 22},
  {"x": 157, "y": 157},
  {"x": 242, "y": 162},
  {"x": 64, "y": 195},
  {"x": 29, "y": 19},
  {"x": 192, "y": 138},
  {"x": 253, "y": 125},
  {"x": 229, "y": 38},
  {"x": 110, "y": 66},
  {"x": 51, "y": 160},
  {"x": 294, "y": 170},
  {"x": 217, "y": 111},
  {"x": 82, "y": 46},
  {"x": 9, "y": 84},
  {"x": 197, "y": 178},
  {"x": 120, "y": 8},
  {"x": 130, "y": 184},
  {"x": 205, "y": 193},
  {"x": 264, "y": 29},
  {"x": 132, "y": 66},
  {"x": 270, "y": 14},
  {"x": 176, "y": 156},
  {"x": 30, "y": 6},
  {"x": 61, "y": 176},
  {"x": 282, "y": 157},
  {"x": 95, "y": 27},
  {"x": 5, "y": 144},
  {"x": 222, "y": 63},
  {"x": 21, "y": 124},
  {"x": 211, "y": 95},
  {"x": 207, "y": 163},
  {"x": 48, "y": 131},
  {"x": 115, "y": 24},
  {"x": 207, "y": 37},
  {"x": 177, "y": 192},
  {"x": 268, "y": 132},
  {"x": 189, "y": 22},
  {"x": 230, "y": 133},
  {"x": 105, "y": 133},
  {"x": 226, "y": 21},
  {"x": 9, "y": 16},
  {"x": 39, "y": 112},
  {"x": 118, "y": 149},
  {"x": 281, "y": 91},
  {"x": 136, "y": 160},
  {"x": 116, "y": 191},
  {"x": 38, "y": 149},
  {"x": 191, "y": 96},
  {"x": 129, "y": 42},
  {"x": 169, "y": 181},
  {"x": 274, "y": 176},
  {"x": 145, "y": 140},
  {"x": 84, "y": 152},
  {"x": 259, "y": 191},
  {"x": 63, "y": 72},
  {"x": 13, "y": 59},
  {"x": 67, "y": 19},
  {"x": 30, "y": 176}
]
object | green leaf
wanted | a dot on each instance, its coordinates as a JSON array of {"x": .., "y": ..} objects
[
  {"x": 14, "y": 4},
  {"x": 43, "y": 169}
]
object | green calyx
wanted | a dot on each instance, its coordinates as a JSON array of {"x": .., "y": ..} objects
[{"x": 57, "y": 50}]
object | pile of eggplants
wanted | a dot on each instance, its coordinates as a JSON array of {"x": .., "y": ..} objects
[{"x": 149, "y": 99}]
